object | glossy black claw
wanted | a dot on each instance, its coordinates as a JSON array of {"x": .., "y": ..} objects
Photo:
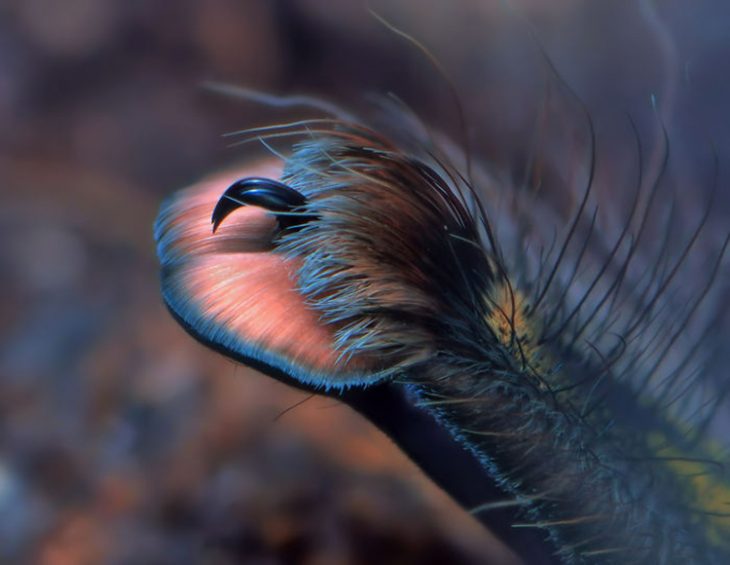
[{"x": 266, "y": 193}]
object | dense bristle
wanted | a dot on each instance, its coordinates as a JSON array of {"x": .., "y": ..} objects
[{"x": 394, "y": 256}]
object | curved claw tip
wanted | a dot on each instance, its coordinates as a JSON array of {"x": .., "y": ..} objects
[{"x": 266, "y": 193}]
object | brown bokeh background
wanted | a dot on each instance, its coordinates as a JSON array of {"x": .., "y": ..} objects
[{"x": 121, "y": 439}]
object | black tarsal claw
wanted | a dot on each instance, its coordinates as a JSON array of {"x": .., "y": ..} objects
[{"x": 266, "y": 193}]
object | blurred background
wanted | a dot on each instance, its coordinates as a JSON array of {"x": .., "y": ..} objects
[{"x": 124, "y": 441}]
